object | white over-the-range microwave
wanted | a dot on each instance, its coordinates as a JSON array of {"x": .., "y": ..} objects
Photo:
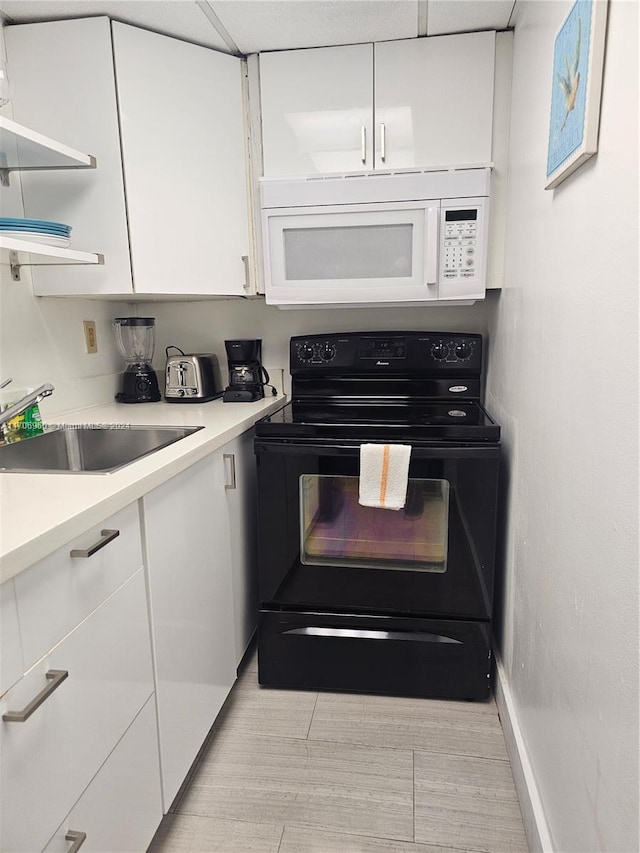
[{"x": 375, "y": 239}]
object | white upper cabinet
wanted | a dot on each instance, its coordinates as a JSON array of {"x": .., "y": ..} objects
[
  {"x": 63, "y": 81},
  {"x": 317, "y": 110},
  {"x": 434, "y": 101},
  {"x": 167, "y": 203},
  {"x": 417, "y": 102},
  {"x": 182, "y": 128}
]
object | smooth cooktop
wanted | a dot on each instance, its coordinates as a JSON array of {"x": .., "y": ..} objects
[{"x": 450, "y": 419}]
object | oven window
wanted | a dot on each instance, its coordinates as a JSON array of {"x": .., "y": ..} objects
[{"x": 336, "y": 531}]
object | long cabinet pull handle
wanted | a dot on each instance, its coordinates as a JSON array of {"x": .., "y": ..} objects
[
  {"x": 55, "y": 677},
  {"x": 78, "y": 839},
  {"x": 107, "y": 536},
  {"x": 363, "y": 144},
  {"x": 232, "y": 459},
  {"x": 383, "y": 143},
  {"x": 247, "y": 277}
]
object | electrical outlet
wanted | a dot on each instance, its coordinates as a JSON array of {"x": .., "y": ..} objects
[{"x": 90, "y": 336}]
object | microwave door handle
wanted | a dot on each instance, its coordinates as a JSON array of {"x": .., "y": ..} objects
[{"x": 431, "y": 245}]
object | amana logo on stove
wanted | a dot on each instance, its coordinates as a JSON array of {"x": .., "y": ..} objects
[
  {"x": 382, "y": 363},
  {"x": 456, "y": 389}
]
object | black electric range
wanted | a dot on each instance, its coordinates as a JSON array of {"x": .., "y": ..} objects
[{"x": 337, "y": 578}]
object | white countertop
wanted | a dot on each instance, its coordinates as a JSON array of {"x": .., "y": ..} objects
[{"x": 42, "y": 512}]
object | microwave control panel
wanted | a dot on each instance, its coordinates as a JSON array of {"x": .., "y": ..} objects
[{"x": 459, "y": 240}]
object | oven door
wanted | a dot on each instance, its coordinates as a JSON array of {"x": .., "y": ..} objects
[{"x": 321, "y": 551}]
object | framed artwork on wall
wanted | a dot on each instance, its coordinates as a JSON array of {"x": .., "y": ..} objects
[{"x": 578, "y": 60}]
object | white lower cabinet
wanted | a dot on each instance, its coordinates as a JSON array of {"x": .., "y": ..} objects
[
  {"x": 120, "y": 810},
  {"x": 57, "y": 592},
  {"x": 49, "y": 758},
  {"x": 11, "y": 662},
  {"x": 190, "y": 589},
  {"x": 241, "y": 496},
  {"x": 82, "y": 733}
]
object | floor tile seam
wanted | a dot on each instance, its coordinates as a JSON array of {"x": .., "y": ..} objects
[
  {"x": 480, "y": 727},
  {"x": 459, "y": 792},
  {"x": 413, "y": 791},
  {"x": 444, "y": 717},
  {"x": 405, "y": 749},
  {"x": 464, "y": 755},
  {"x": 380, "y": 702},
  {"x": 302, "y": 825},
  {"x": 367, "y": 792},
  {"x": 362, "y": 746},
  {"x": 312, "y": 715},
  {"x": 412, "y": 749},
  {"x": 230, "y": 819},
  {"x": 466, "y": 849},
  {"x": 347, "y": 833},
  {"x": 339, "y": 832},
  {"x": 284, "y": 826}
]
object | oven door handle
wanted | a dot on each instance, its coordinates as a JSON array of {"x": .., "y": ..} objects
[{"x": 369, "y": 634}]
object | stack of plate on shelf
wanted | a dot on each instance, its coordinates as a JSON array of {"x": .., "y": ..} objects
[{"x": 36, "y": 231}]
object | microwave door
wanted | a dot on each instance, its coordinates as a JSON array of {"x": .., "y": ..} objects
[{"x": 351, "y": 254}]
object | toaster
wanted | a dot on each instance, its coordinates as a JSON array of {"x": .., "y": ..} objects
[{"x": 192, "y": 378}]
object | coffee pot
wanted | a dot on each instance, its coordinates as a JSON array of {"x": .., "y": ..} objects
[{"x": 247, "y": 376}]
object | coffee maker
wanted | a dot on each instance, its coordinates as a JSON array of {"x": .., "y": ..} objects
[
  {"x": 247, "y": 376},
  {"x": 135, "y": 338}
]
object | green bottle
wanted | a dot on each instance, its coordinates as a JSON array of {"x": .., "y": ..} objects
[{"x": 32, "y": 422}]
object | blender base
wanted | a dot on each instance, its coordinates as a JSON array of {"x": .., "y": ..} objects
[{"x": 140, "y": 386}]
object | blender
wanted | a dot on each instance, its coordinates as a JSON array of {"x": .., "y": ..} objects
[{"x": 135, "y": 339}]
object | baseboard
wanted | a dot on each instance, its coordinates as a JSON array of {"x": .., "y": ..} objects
[{"x": 533, "y": 815}]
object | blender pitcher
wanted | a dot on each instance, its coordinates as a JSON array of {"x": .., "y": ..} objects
[{"x": 135, "y": 337}]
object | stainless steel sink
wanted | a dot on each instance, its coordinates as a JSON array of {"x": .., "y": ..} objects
[{"x": 87, "y": 450}]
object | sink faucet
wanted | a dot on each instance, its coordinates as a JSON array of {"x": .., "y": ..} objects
[{"x": 28, "y": 400}]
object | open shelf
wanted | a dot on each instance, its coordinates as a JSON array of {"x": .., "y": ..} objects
[
  {"x": 19, "y": 253},
  {"x": 23, "y": 148}
]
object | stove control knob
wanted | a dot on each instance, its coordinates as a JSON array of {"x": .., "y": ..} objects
[
  {"x": 463, "y": 351},
  {"x": 305, "y": 352},
  {"x": 439, "y": 351},
  {"x": 328, "y": 352}
]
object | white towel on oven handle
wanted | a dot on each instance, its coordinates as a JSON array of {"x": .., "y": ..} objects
[{"x": 384, "y": 475}]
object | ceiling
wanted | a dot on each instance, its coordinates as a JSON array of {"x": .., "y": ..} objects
[{"x": 252, "y": 26}]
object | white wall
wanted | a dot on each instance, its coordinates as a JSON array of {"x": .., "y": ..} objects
[
  {"x": 41, "y": 339},
  {"x": 204, "y": 326},
  {"x": 564, "y": 384}
]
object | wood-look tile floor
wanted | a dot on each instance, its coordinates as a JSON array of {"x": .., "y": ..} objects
[{"x": 300, "y": 772}]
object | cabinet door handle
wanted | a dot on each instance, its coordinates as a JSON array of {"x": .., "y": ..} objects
[
  {"x": 78, "y": 839},
  {"x": 363, "y": 143},
  {"x": 107, "y": 536},
  {"x": 232, "y": 459},
  {"x": 55, "y": 677},
  {"x": 247, "y": 278},
  {"x": 383, "y": 143}
]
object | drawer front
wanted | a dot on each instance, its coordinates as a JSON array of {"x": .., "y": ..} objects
[
  {"x": 122, "y": 807},
  {"x": 369, "y": 654},
  {"x": 57, "y": 593},
  {"x": 48, "y": 760},
  {"x": 11, "y": 666}
]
